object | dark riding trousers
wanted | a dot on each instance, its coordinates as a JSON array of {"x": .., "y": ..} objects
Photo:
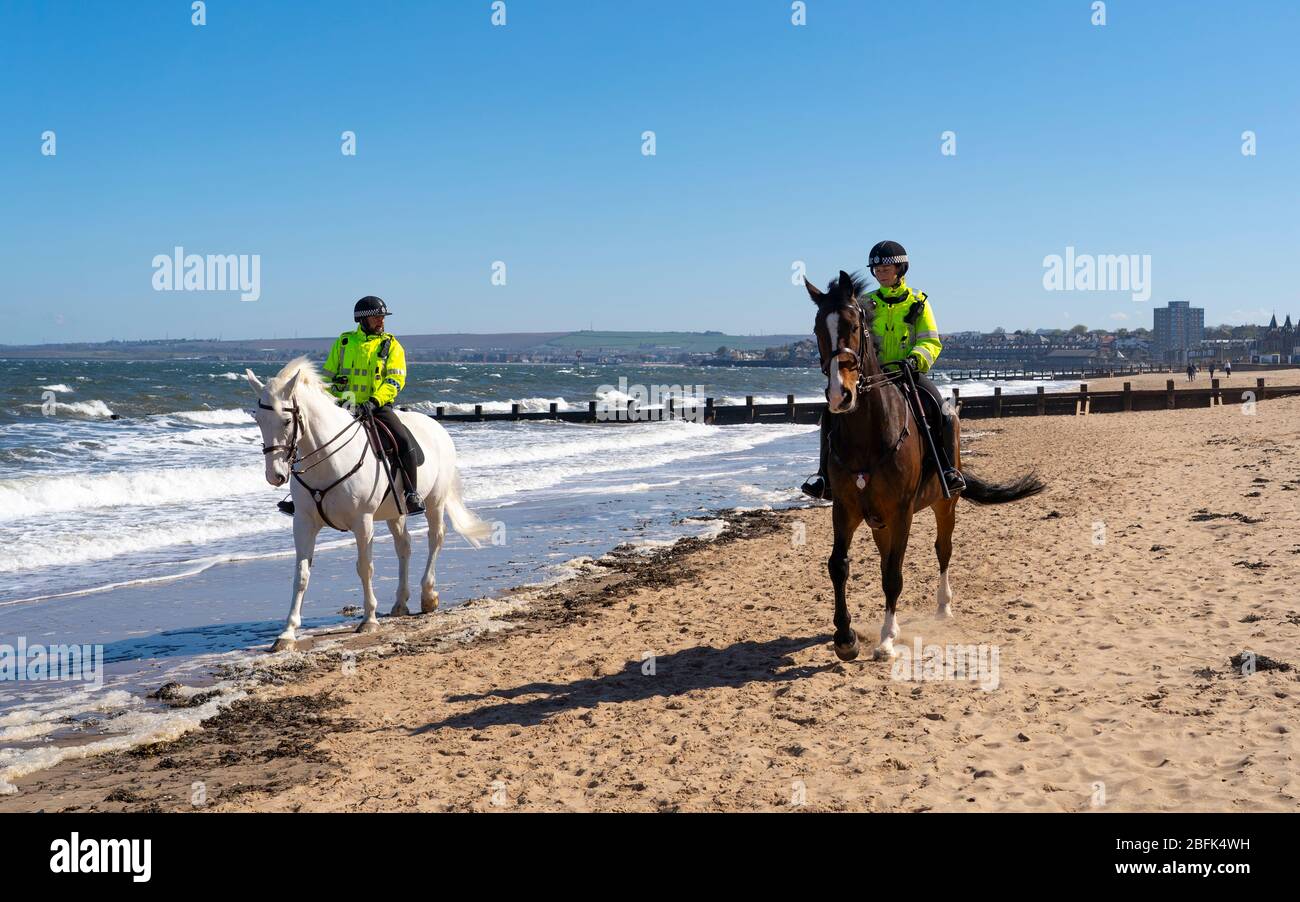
[
  {"x": 408, "y": 452},
  {"x": 928, "y": 387}
]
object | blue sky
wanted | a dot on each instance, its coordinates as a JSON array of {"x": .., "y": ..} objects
[{"x": 775, "y": 143}]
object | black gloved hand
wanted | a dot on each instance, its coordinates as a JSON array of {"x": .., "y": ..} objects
[
  {"x": 912, "y": 363},
  {"x": 373, "y": 404}
]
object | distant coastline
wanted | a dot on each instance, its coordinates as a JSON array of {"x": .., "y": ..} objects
[{"x": 561, "y": 348}]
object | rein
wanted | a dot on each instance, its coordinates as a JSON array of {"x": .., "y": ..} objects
[{"x": 295, "y": 468}]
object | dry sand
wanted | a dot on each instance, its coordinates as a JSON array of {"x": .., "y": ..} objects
[
  {"x": 1167, "y": 543},
  {"x": 1241, "y": 379}
]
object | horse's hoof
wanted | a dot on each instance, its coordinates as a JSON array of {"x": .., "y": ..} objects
[
  {"x": 430, "y": 604},
  {"x": 283, "y": 644},
  {"x": 944, "y": 612},
  {"x": 400, "y": 610},
  {"x": 368, "y": 626},
  {"x": 847, "y": 652},
  {"x": 884, "y": 652}
]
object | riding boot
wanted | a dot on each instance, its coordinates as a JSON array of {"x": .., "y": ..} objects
[
  {"x": 819, "y": 486},
  {"x": 414, "y": 503},
  {"x": 946, "y": 443}
]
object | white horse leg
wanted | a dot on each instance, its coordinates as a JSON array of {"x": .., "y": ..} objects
[
  {"x": 945, "y": 518},
  {"x": 364, "y": 530},
  {"x": 888, "y": 633},
  {"x": 402, "y": 543},
  {"x": 304, "y": 541},
  {"x": 437, "y": 531},
  {"x": 945, "y": 596}
]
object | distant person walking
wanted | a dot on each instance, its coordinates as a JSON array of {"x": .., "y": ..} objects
[
  {"x": 1227, "y": 369},
  {"x": 1191, "y": 371},
  {"x": 1211, "y": 371}
]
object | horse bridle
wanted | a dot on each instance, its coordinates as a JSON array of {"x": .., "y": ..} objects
[
  {"x": 293, "y": 441},
  {"x": 295, "y": 463},
  {"x": 865, "y": 383}
]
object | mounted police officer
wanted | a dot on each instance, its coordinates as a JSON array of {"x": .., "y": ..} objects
[
  {"x": 367, "y": 366},
  {"x": 905, "y": 334}
]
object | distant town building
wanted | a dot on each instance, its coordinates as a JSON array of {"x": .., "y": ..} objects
[
  {"x": 1179, "y": 327},
  {"x": 1221, "y": 350},
  {"x": 1074, "y": 359},
  {"x": 1279, "y": 344}
]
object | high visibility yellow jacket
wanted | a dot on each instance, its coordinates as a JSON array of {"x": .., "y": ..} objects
[
  {"x": 904, "y": 324},
  {"x": 366, "y": 366}
]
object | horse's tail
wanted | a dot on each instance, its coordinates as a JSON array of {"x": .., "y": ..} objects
[
  {"x": 464, "y": 520},
  {"x": 981, "y": 492}
]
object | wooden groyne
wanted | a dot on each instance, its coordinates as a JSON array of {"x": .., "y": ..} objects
[
  {"x": 1039, "y": 403},
  {"x": 970, "y": 374},
  {"x": 1083, "y": 401}
]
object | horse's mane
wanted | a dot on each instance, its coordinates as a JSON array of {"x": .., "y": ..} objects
[
  {"x": 859, "y": 283},
  {"x": 309, "y": 379}
]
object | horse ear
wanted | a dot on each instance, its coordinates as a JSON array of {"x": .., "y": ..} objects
[
  {"x": 289, "y": 386},
  {"x": 813, "y": 291},
  {"x": 254, "y": 381},
  {"x": 846, "y": 287}
]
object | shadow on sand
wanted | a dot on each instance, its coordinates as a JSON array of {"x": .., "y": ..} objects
[{"x": 701, "y": 667}]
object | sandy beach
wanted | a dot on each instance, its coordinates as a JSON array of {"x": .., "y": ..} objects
[
  {"x": 1241, "y": 379},
  {"x": 702, "y": 678}
]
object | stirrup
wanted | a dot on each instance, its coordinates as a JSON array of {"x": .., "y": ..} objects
[
  {"x": 414, "y": 503},
  {"x": 286, "y": 507},
  {"x": 955, "y": 481}
]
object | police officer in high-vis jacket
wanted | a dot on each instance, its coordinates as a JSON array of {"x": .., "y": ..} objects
[
  {"x": 905, "y": 334},
  {"x": 367, "y": 366}
]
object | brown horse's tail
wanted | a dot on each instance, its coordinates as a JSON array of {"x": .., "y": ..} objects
[{"x": 981, "y": 492}]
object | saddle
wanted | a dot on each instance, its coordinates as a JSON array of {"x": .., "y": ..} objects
[{"x": 384, "y": 443}]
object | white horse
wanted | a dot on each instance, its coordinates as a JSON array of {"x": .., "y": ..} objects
[{"x": 337, "y": 480}]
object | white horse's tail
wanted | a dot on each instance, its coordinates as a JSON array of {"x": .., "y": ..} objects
[{"x": 464, "y": 520}]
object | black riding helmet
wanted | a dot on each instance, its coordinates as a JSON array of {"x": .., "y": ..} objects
[
  {"x": 369, "y": 306},
  {"x": 888, "y": 252}
]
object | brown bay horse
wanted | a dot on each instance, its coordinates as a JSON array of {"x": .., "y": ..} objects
[{"x": 876, "y": 462}]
